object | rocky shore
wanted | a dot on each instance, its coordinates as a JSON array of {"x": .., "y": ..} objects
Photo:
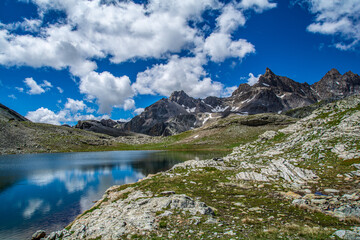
[{"x": 301, "y": 182}]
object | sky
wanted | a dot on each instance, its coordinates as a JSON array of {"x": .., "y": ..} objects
[{"x": 62, "y": 61}]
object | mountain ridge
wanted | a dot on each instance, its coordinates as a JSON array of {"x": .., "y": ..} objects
[{"x": 271, "y": 94}]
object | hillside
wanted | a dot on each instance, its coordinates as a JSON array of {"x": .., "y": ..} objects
[
  {"x": 300, "y": 182},
  {"x": 216, "y": 134},
  {"x": 29, "y": 137}
]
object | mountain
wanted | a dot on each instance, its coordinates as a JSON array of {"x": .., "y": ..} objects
[
  {"x": 7, "y": 114},
  {"x": 175, "y": 114},
  {"x": 271, "y": 94},
  {"x": 299, "y": 182},
  {"x": 334, "y": 85},
  {"x": 105, "y": 126}
]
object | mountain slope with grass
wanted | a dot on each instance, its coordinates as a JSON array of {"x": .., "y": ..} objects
[{"x": 300, "y": 182}]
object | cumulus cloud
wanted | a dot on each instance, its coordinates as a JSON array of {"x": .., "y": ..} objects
[
  {"x": 46, "y": 84},
  {"x": 185, "y": 73},
  {"x": 252, "y": 79},
  {"x": 34, "y": 87},
  {"x": 220, "y": 46},
  {"x": 107, "y": 89},
  {"x": 75, "y": 105},
  {"x": 44, "y": 115},
  {"x": 129, "y": 104},
  {"x": 126, "y": 31},
  {"x": 340, "y": 19},
  {"x": 258, "y": 5},
  {"x": 230, "y": 19}
]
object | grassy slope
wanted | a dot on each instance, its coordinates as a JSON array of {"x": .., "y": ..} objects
[
  {"x": 274, "y": 216},
  {"x": 220, "y": 135}
]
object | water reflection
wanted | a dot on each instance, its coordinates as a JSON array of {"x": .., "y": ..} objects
[{"x": 48, "y": 191}]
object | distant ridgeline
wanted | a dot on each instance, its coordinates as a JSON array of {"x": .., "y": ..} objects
[
  {"x": 271, "y": 93},
  {"x": 180, "y": 112}
]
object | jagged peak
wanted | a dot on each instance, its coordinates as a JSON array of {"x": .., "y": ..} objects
[
  {"x": 269, "y": 72},
  {"x": 350, "y": 73},
  {"x": 176, "y": 95},
  {"x": 332, "y": 72}
]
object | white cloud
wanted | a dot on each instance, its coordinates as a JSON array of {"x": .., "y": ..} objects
[
  {"x": 34, "y": 87},
  {"x": 230, "y": 19},
  {"x": 29, "y": 25},
  {"x": 258, "y": 5},
  {"x": 185, "y": 74},
  {"x": 20, "y": 89},
  {"x": 252, "y": 80},
  {"x": 129, "y": 104},
  {"x": 126, "y": 31},
  {"x": 46, "y": 84},
  {"x": 107, "y": 89},
  {"x": 75, "y": 105},
  {"x": 220, "y": 46},
  {"x": 44, "y": 115},
  {"x": 12, "y": 96},
  {"x": 60, "y": 89},
  {"x": 338, "y": 18},
  {"x": 138, "y": 111}
]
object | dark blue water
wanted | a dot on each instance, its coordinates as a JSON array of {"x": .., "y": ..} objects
[{"x": 47, "y": 191}]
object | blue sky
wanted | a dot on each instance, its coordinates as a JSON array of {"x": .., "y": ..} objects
[{"x": 66, "y": 60}]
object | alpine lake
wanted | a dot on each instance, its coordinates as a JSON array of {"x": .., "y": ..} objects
[{"x": 48, "y": 191}]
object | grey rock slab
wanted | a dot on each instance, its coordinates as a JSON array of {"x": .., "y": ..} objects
[{"x": 38, "y": 235}]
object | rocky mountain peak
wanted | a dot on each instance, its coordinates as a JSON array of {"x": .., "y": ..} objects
[
  {"x": 334, "y": 85},
  {"x": 268, "y": 72},
  {"x": 178, "y": 96},
  {"x": 332, "y": 72}
]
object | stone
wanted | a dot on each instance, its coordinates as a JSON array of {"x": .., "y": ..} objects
[
  {"x": 330, "y": 190},
  {"x": 347, "y": 235},
  {"x": 291, "y": 195},
  {"x": 167, "y": 193},
  {"x": 38, "y": 235},
  {"x": 135, "y": 213},
  {"x": 212, "y": 220},
  {"x": 268, "y": 135}
]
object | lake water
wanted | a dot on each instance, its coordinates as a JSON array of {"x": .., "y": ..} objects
[{"x": 47, "y": 191}]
